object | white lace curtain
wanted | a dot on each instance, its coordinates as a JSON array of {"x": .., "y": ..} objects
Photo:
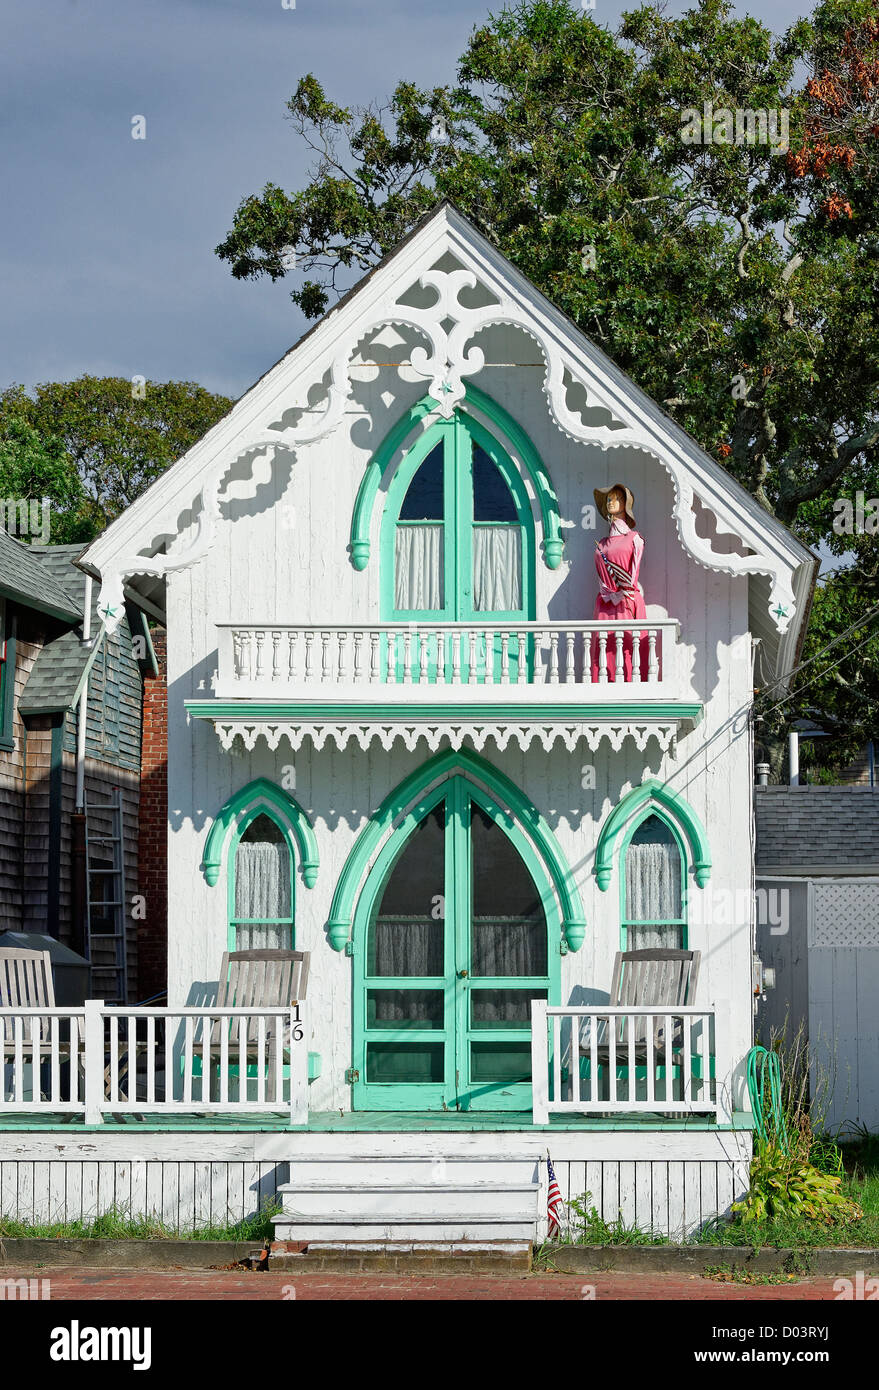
[
  {"x": 418, "y": 568},
  {"x": 497, "y": 568},
  {"x": 653, "y": 893},
  {"x": 262, "y": 881},
  {"x": 408, "y": 948}
]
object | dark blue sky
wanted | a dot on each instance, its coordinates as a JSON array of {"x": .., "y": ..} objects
[{"x": 106, "y": 243}]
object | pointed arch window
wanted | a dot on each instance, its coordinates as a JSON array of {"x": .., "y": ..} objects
[
  {"x": 261, "y": 888},
  {"x": 458, "y": 532},
  {"x": 654, "y": 887}
]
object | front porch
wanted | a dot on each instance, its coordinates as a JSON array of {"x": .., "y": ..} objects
[
  {"x": 212, "y": 1171},
  {"x": 95, "y": 1064},
  {"x": 200, "y": 1116}
]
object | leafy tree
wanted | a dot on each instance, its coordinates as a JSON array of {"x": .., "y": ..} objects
[
  {"x": 732, "y": 272},
  {"x": 34, "y": 469},
  {"x": 726, "y": 280},
  {"x": 837, "y": 688},
  {"x": 102, "y": 440}
]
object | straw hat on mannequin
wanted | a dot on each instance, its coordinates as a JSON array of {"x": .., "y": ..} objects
[{"x": 626, "y": 512}]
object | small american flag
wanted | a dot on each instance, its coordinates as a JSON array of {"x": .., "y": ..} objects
[{"x": 553, "y": 1201}]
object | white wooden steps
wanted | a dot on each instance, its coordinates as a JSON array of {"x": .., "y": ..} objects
[{"x": 391, "y": 1199}]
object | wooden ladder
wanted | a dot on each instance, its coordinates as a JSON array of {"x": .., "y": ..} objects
[{"x": 105, "y": 899}]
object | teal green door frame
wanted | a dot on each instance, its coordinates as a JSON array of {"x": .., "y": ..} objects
[{"x": 460, "y": 1037}]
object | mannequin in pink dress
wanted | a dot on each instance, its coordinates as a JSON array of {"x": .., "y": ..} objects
[{"x": 618, "y": 561}]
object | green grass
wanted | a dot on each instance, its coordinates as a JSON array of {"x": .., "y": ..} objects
[
  {"x": 861, "y": 1165},
  {"x": 861, "y": 1183},
  {"x": 116, "y": 1224},
  {"x": 587, "y": 1227}
]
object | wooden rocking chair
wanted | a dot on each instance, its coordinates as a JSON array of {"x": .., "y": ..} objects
[
  {"x": 652, "y": 978},
  {"x": 26, "y": 983},
  {"x": 259, "y": 979}
]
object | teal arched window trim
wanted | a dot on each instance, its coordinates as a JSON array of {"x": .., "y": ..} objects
[
  {"x": 457, "y": 435},
  {"x": 461, "y": 794},
  {"x": 648, "y": 810},
  {"x": 258, "y": 797},
  {"x": 240, "y": 826},
  {"x": 511, "y": 437},
  {"x": 677, "y": 813},
  {"x": 397, "y": 803}
]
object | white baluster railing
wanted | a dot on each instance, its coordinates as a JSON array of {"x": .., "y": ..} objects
[
  {"x": 581, "y": 656},
  {"x": 97, "y": 1059},
  {"x": 631, "y": 1059},
  {"x": 41, "y": 1051}
]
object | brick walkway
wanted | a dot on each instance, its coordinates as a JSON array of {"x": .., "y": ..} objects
[{"x": 179, "y": 1285}]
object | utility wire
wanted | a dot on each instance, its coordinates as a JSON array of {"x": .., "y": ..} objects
[
  {"x": 855, "y": 627},
  {"x": 799, "y": 691}
]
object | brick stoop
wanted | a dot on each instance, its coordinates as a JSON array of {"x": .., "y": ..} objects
[{"x": 400, "y": 1257}]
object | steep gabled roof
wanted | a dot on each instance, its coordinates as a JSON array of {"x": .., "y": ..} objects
[
  {"x": 780, "y": 569},
  {"x": 56, "y": 677},
  {"x": 25, "y": 578}
]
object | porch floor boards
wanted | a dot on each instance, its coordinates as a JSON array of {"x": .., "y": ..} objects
[{"x": 375, "y": 1122}]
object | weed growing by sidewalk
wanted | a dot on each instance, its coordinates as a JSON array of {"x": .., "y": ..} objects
[{"x": 117, "y": 1224}]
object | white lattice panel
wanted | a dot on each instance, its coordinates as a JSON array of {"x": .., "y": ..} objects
[{"x": 845, "y": 913}]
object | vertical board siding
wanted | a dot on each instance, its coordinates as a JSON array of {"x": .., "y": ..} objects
[
  {"x": 844, "y": 1032},
  {"x": 181, "y": 1195},
  {"x": 671, "y": 1198}
]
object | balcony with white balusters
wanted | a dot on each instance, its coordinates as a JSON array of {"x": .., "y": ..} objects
[
  {"x": 584, "y": 662},
  {"x": 451, "y": 680}
]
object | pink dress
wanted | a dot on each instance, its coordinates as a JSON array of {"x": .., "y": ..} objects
[{"x": 620, "y": 596}]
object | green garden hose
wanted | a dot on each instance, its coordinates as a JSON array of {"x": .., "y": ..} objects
[{"x": 764, "y": 1082}]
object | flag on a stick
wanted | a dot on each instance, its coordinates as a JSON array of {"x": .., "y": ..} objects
[{"x": 554, "y": 1202}]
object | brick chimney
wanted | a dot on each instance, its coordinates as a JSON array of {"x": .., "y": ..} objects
[{"x": 152, "y": 930}]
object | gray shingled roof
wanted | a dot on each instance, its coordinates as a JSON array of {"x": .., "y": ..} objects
[
  {"x": 57, "y": 673},
  {"x": 26, "y": 578},
  {"x": 802, "y": 826}
]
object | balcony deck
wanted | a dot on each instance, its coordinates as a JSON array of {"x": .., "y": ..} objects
[{"x": 374, "y": 679}]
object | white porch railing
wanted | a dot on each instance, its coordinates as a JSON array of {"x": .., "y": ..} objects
[
  {"x": 607, "y": 1060},
  {"x": 571, "y": 660},
  {"x": 96, "y": 1060}
]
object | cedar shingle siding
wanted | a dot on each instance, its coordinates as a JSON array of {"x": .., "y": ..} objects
[{"x": 44, "y": 594}]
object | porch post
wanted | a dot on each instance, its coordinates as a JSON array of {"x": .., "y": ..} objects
[
  {"x": 298, "y": 1067},
  {"x": 93, "y": 1061},
  {"x": 539, "y": 1063},
  {"x": 723, "y": 1066}
]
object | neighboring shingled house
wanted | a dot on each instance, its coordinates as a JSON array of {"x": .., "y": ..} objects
[
  {"x": 817, "y": 875},
  {"x": 63, "y": 806}
]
